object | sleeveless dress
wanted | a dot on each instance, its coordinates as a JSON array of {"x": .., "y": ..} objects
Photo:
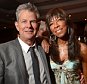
[{"x": 67, "y": 73}]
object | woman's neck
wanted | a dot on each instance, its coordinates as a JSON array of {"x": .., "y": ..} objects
[{"x": 62, "y": 42}]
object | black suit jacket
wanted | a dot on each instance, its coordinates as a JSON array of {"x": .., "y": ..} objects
[{"x": 12, "y": 65}]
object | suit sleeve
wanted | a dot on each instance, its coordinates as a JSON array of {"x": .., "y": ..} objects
[{"x": 1, "y": 72}]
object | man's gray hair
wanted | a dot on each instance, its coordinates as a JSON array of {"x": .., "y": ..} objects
[{"x": 27, "y": 6}]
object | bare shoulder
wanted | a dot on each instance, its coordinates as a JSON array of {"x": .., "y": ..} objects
[
  {"x": 83, "y": 46},
  {"x": 83, "y": 50}
]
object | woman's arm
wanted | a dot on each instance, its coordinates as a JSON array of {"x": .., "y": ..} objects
[
  {"x": 84, "y": 60},
  {"x": 44, "y": 42}
]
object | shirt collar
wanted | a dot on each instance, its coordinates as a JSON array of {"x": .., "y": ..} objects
[{"x": 24, "y": 46}]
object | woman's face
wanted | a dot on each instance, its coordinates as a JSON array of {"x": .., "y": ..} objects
[{"x": 58, "y": 26}]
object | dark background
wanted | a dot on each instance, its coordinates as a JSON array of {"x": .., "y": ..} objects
[{"x": 76, "y": 8}]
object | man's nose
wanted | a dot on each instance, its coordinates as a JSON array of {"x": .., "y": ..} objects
[{"x": 29, "y": 24}]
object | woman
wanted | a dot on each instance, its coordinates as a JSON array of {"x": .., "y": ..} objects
[{"x": 68, "y": 57}]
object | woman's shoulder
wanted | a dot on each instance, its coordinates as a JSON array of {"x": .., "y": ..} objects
[{"x": 83, "y": 48}]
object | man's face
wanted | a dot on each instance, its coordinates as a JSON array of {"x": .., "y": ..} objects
[{"x": 27, "y": 25}]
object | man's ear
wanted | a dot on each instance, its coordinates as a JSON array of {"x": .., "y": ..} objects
[{"x": 16, "y": 25}]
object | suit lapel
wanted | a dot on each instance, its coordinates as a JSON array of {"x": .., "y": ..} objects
[
  {"x": 21, "y": 62},
  {"x": 43, "y": 58}
]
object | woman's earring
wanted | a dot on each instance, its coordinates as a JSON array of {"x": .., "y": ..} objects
[{"x": 68, "y": 30}]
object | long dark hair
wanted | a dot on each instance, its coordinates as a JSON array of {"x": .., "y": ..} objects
[{"x": 73, "y": 45}]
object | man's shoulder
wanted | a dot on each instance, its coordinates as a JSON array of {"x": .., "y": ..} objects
[{"x": 7, "y": 44}]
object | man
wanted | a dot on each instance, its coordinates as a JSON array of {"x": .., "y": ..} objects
[{"x": 16, "y": 65}]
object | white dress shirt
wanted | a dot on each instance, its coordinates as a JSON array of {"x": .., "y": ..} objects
[{"x": 28, "y": 62}]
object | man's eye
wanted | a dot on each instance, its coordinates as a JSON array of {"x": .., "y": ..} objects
[
  {"x": 34, "y": 21},
  {"x": 24, "y": 21}
]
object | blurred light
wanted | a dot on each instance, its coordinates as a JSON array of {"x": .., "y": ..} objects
[
  {"x": 70, "y": 15},
  {"x": 5, "y": 27},
  {"x": 85, "y": 19},
  {"x": 79, "y": 38}
]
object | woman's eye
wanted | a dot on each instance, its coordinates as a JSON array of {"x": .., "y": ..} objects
[
  {"x": 61, "y": 19},
  {"x": 50, "y": 24}
]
